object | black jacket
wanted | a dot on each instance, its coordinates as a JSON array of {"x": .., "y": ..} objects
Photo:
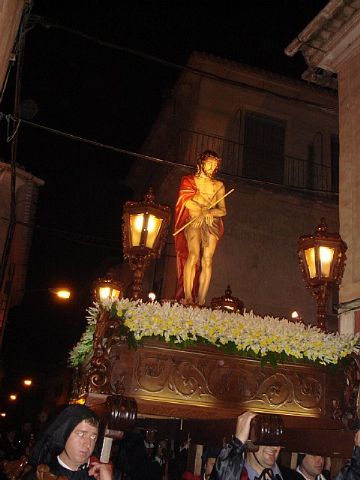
[
  {"x": 351, "y": 471},
  {"x": 230, "y": 463}
]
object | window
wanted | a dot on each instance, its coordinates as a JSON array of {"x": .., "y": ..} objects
[{"x": 264, "y": 148}]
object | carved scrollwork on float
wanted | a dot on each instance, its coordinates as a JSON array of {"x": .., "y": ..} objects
[
  {"x": 120, "y": 359},
  {"x": 308, "y": 391},
  {"x": 99, "y": 370},
  {"x": 169, "y": 375},
  {"x": 187, "y": 380},
  {"x": 275, "y": 390},
  {"x": 79, "y": 385},
  {"x": 98, "y": 373},
  {"x": 152, "y": 373},
  {"x": 351, "y": 399},
  {"x": 286, "y": 391},
  {"x": 231, "y": 383}
]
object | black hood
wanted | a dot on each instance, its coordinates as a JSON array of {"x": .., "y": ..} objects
[{"x": 52, "y": 441}]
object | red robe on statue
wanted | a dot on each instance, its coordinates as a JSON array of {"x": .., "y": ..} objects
[{"x": 188, "y": 190}]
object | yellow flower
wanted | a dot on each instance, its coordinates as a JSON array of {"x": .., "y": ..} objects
[{"x": 248, "y": 331}]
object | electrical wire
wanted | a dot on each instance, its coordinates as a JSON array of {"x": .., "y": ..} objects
[
  {"x": 38, "y": 20},
  {"x": 153, "y": 159},
  {"x": 94, "y": 143}
]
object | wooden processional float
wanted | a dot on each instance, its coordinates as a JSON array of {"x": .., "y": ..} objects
[{"x": 200, "y": 390}]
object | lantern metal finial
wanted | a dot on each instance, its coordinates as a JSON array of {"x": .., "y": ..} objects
[{"x": 227, "y": 302}]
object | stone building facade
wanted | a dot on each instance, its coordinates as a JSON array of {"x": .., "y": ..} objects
[
  {"x": 10, "y": 17},
  {"x": 16, "y": 229},
  {"x": 330, "y": 44},
  {"x": 278, "y": 139}
]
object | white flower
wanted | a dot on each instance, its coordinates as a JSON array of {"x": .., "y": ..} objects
[{"x": 248, "y": 332}]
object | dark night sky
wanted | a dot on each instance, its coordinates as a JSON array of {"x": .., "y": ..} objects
[{"x": 110, "y": 96}]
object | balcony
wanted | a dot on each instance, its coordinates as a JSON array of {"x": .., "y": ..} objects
[{"x": 257, "y": 164}]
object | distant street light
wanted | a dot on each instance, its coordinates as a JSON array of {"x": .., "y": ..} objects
[
  {"x": 62, "y": 293},
  {"x": 12, "y": 397},
  {"x": 27, "y": 382},
  {"x": 2, "y": 414}
]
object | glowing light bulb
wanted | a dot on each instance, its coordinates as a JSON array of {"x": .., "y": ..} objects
[
  {"x": 62, "y": 293},
  {"x": 152, "y": 296}
]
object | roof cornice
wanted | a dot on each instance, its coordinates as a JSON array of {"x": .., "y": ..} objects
[{"x": 328, "y": 40}]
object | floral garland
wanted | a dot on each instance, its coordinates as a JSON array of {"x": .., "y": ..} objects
[{"x": 265, "y": 338}]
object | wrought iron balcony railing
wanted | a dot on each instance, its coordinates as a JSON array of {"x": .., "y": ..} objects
[{"x": 257, "y": 163}]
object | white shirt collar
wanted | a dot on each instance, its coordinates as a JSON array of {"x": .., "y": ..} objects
[{"x": 63, "y": 464}]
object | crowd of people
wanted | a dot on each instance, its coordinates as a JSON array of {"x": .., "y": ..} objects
[
  {"x": 236, "y": 461},
  {"x": 68, "y": 445},
  {"x": 17, "y": 440}
]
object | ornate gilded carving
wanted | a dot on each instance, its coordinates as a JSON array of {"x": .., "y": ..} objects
[
  {"x": 153, "y": 373},
  {"x": 308, "y": 391},
  {"x": 231, "y": 382},
  {"x": 351, "y": 401},
  {"x": 105, "y": 335},
  {"x": 192, "y": 379},
  {"x": 187, "y": 380},
  {"x": 275, "y": 390},
  {"x": 175, "y": 375}
]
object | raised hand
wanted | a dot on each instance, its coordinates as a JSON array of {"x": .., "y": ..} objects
[{"x": 243, "y": 426}]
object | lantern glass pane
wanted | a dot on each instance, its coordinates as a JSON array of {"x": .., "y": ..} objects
[
  {"x": 153, "y": 228},
  {"x": 136, "y": 227},
  {"x": 310, "y": 261},
  {"x": 326, "y": 256},
  {"x": 104, "y": 293},
  {"x": 115, "y": 294}
]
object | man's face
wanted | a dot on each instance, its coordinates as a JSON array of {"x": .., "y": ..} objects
[
  {"x": 80, "y": 445},
  {"x": 150, "y": 436},
  {"x": 210, "y": 165},
  {"x": 313, "y": 465},
  {"x": 267, "y": 456}
]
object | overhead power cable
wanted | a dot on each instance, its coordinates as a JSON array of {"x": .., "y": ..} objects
[
  {"x": 75, "y": 237},
  {"x": 151, "y": 158},
  {"x": 212, "y": 76},
  {"x": 91, "y": 142}
]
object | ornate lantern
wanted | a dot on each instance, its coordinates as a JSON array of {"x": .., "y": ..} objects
[
  {"x": 228, "y": 303},
  {"x": 107, "y": 288},
  {"x": 322, "y": 262},
  {"x": 144, "y": 235}
]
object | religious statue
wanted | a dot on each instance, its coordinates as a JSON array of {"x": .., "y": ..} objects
[{"x": 198, "y": 228}]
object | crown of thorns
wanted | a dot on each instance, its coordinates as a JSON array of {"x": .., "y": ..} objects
[{"x": 209, "y": 153}]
